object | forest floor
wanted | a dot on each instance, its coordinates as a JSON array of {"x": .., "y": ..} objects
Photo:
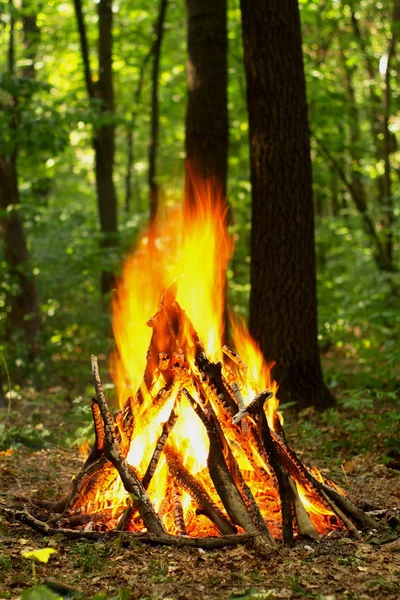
[{"x": 337, "y": 567}]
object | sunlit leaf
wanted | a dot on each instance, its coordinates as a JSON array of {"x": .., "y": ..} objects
[{"x": 42, "y": 554}]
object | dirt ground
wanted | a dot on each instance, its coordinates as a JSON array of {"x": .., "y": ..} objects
[{"x": 337, "y": 567}]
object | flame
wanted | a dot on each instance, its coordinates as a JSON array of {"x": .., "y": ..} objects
[
  {"x": 191, "y": 246},
  {"x": 183, "y": 257}
]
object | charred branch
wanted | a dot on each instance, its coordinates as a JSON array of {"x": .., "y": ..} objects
[
  {"x": 129, "y": 478},
  {"x": 205, "y": 504},
  {"x": 158, "y": 450},
  {"x": 179, "y": 518},
  {"x": 212, "y": 374},
  {"x": 256, "y": 409},
  {"x": 98, "y": 427},
  {"x": 223, "y": 480},
  {"x": 24, "y": 517}
]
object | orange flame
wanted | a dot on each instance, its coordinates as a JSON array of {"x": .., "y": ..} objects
[{"x": 191, "y": 247}]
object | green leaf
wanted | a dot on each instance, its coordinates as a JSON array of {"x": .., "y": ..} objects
[{"x": 39, "y": 592}]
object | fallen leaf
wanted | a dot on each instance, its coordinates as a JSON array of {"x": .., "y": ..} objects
[{"x": 42, "y": 554}]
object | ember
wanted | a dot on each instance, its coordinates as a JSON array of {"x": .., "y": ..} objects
[{"x": 198, "y": 448}]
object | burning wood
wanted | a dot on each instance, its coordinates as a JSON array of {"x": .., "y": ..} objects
[
  {"x": 197, "y": 455},
  {"x": 245, "y": 476}
]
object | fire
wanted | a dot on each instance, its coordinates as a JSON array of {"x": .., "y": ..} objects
[
  {"x": 191, "y": 247},
  {"x": 183, "y": 258}
]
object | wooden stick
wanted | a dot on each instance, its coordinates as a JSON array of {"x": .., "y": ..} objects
[
  {"x": 212, "y": 374},
  {"x": 177, "y": 509},
  {"x": 348, "y": 507},
  {"x": 303, "y": 520},
  {"x": 256, "y": 408},
  {"x": 128, "y": 476},
  {"x": 224, "y": 482},
  {"x": 98, "y": 426},
  {"x": 326, "y": 494},
  {"x": 341, "y": 515},
  {"x": 24, "y": 517},
  {"x": 166, "y": 430},
  {"x": 205, "y": 504}
]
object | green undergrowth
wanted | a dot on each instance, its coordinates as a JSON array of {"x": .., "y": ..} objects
[{"x": 363, "y": 422}]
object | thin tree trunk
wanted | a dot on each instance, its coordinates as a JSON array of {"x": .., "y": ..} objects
[
  {"x": 380, "y": 116},
  {"x": 359, "y": 198},
  {"x": 283, "y": 305},
  {"x": 387, "y": 200},
  {"x": 153, "y": 146},
  {"x": 24, "y": 305},
  {"x": 129, "y": 165},
  {"x": 357, "y": 187},
  {"x": 31, "y": 34},
  {"x": 105, "y": 140},
  {"x": 206, "y": 141},
  {"x": 335, "y": 204},
  {"x": 103, "y": 136},
  {"x": 131, "y": 128}
]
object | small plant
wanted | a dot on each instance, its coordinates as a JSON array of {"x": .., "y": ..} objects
[
  {"x": 88, "y": 557},
  {"x": 5, "y": 563},
  {"x": 40, "y": 555},
  {"x": 158, "y": 571}
]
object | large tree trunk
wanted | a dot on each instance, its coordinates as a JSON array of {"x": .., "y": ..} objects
[
  {"x": 207, "y": 113},
  {"x": 283, "y": 310}
]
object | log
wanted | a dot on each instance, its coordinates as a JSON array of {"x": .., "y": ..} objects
[{"x": 128, "y": 476}]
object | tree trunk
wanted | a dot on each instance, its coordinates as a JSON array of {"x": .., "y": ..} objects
[
  {"x": 154, "y": 110},
  {"x": 24, "y": 313},
  {"x": 283, "y": 310},
  {"x": 31, "y": 34},
  {"x": 24, "y": 305},
  {"x": 207, "y": 113},
  {"x": 103, "y": 136},
  {"x": 387, "y": 200},
  {"x": 104, "y": 141}
]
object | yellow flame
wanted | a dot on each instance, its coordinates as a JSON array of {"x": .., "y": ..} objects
[{"x": 191, "y": 247}]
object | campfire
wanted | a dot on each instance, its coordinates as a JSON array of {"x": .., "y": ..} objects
[{"x": 197, "y": 451}]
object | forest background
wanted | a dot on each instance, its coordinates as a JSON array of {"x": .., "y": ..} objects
[
  {"x": 79, "y": 80},
  {"x": 351, "y": 66}
]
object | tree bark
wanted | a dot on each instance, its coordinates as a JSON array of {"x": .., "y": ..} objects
[
  {"x": 24, "y": 304},
  {"x": 31, "y": 34},
  {"x": 104, "y": 135},
  {"x": 206, "y": 141},
  {"x": 387, "y": 200},
  {"x": 283, "y": 306},
  {"x": 132, "y": 126},
  {"x": 153, "y": 146}
]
